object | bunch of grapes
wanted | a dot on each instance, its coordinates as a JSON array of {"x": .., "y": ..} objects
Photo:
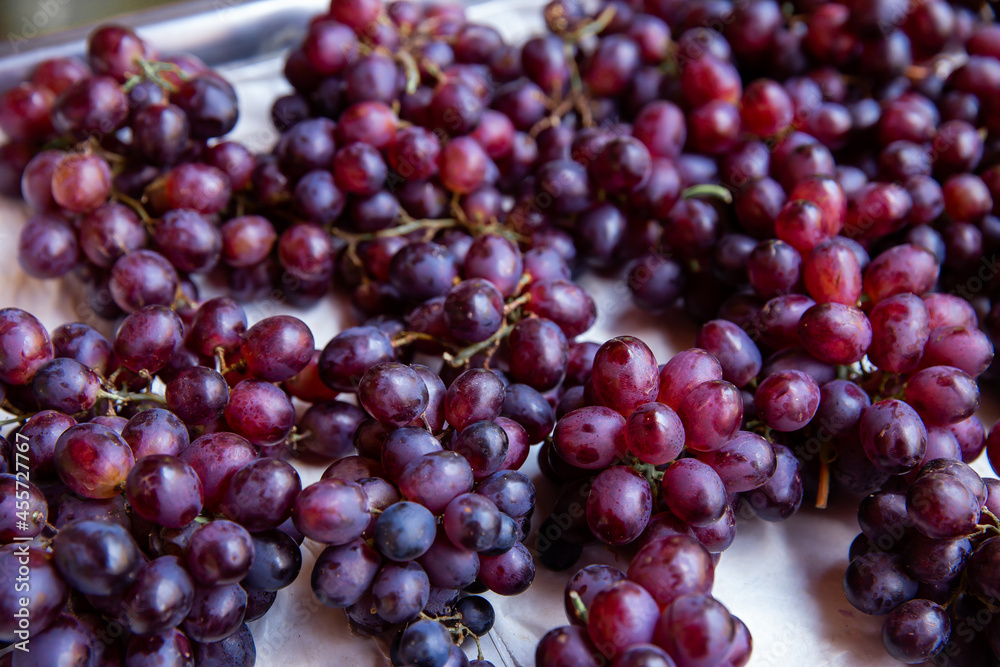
[
  {"x": 926, "y": 560},
  {"x": 817, "y": 187},
  {"x": 151, "y": 537},
  {"x": 645, "y": 452},
  {"x": 658, "y": 613}
]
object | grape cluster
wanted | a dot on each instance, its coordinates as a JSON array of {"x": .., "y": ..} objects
[
  {"x": 645, "y": 452},
  {"x": 816, "y": 187},
  {"x": 151, "y": 537},
  {"x": 423, "y": 512},
  {"x": 658, "y": 613}
]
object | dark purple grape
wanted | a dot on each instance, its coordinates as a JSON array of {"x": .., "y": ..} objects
[
  {"x": 942, "y": 395},
  {"x": 981, "y": 571},
  {"x": 93, "y": 105},
  {"x": 567, "y": 646},
  {"x": 210, "y": 104},
  {"x": 400, "y": 591},
  {"x": 197, "y": 396},
  {"x": 475, "y": 395},
  {"x": 260, "y": 412},
  {"x": 217, "y": 613},
  {"x": 277, "y": 561},
  {"x": 834, "y": 332},
  {"x": 780, "y": 496},
  {"x": 733, "y": 348},
  {"x": 620, "y": 616},
  {"x": 95, "y": 557},
  {"x": 165, "y": 490},
  {"x": 159, "y": 598},
  {"x": 328, "y": 428},
  {"x": 893, "y": 436},
  {"x": 619, "y": 505},
  {"x": 875, "y": 583},
  {"x": 711, "y": 413},
  {"x": 350, "y": 353},
  {"x": 942, "y": 507},
  {"x": 787, "y": 400},
  {"x": 168, "y": 648},
  {"x": 47, "y": 247},
  {"x": 237, "y": 649},
  {"x": 148, "y": 338},
  {"x": 484, "y": 444},
  {"x": 82, "y": 343},
  {"x": 261, "y": 494},
  {"x": 915, "y": 631},
  {"x": 66, "y": 641},
  {"x": 155, "y": 431},
  {"x": 65, "y": 385},
  {"x": 404, "y": 531},
  {"x": 448, "y": 566},
  {"x": 434, "y": 479},
  {"x": 393, "y": 393},
  {"x": 424, "y": 643},
  {"x": 696, "y": 629},
  {"x": 743, "y": 463},
  {"x": 333, "y": 511},
  {"x": 563, "y": 302},
  {"x": 219, "y": 553},
  {"x": 472, "y": 522},
  {"x": 216, "y": 457},
  {"x": 509, "y": 573}
]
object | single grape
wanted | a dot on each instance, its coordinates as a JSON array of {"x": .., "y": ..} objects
[
  {"x": 620, "y": 616},
  {"x": 673, "y": 566},
  {"x": 277, "y": 561},
  {"x": 333, "y": 511},
  {"x": 159, "y": 598},
  {"x": 404, "y": 531},
  {"x": 165, "y": 490},
  {"x": 400, "y": 591},
  {"x": 696, "y": 629},
  {"x": 619, "y": 505},
  {"x": 342, "y": 574},
  {"x": 916, "y": 631}
]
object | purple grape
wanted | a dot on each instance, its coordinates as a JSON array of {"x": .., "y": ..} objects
[
  {"x": 893, "y": 436},
  {"x": 434, "y": 479},
  {"x": 620, "y": 616},
  {"x": 696, "y": 630},
  {"x": 590, "y": 437},
  {"x": 510, "y": 573},
  {"x": 915, "y": 631},
  {"x": 92, "y": 460},
  {"x": 475, "y": 395},
  {"x": 743, "y": 463},
  {"x": 216, "y": 613},
  {"x": 216, "y": 457},
  {"x": 876, "y": 584},
  {"x": 404, "y": 531},
  {"x": 711, "y": 413},
  {"x": 787, "y": 400},
  {"x": 165, "y": 490},
  {"x": 155, "y": 431},
  {"x": 159, "y": 598},
  {"x": 333, "y": 511},
  {"x": 342, "y": 574},
  {"x": 261, "y": 494}
]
